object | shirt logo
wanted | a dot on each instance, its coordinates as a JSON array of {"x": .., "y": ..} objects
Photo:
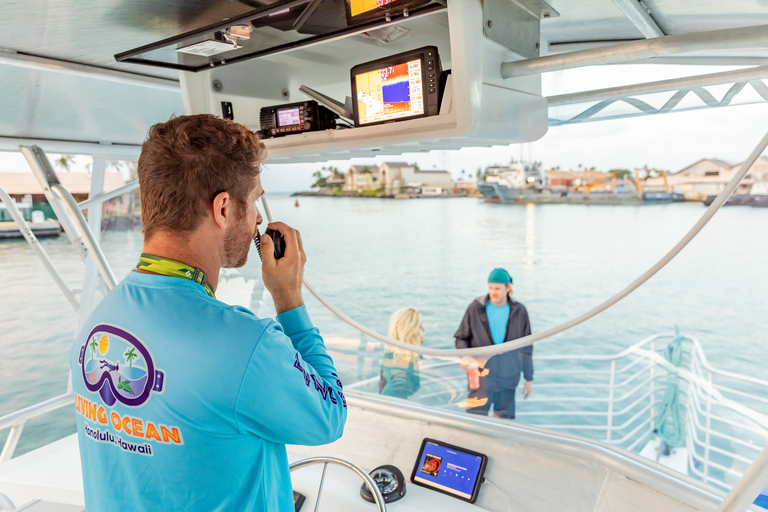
[{"x": 119, "y": 367}]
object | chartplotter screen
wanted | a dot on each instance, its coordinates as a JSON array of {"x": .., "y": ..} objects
[
  {"x": 390, "y": 93},
  {"x": 361, "y": 6}
]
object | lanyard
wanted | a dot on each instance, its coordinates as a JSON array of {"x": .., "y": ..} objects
[{"x": 172, "y": 268}]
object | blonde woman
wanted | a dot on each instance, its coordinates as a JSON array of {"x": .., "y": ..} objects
[{"x": 400, "y": 368}]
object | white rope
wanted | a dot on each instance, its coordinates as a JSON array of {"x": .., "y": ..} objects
[{"x": 532, "y": 338}]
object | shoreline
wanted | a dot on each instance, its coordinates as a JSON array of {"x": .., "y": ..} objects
[{"x": 310, "y": 193}]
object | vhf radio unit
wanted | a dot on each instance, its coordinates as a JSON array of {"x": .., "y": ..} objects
[{"x": 305, "y": 116}]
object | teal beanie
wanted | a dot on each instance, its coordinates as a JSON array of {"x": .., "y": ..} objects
[{"x": 500, "y": 276}]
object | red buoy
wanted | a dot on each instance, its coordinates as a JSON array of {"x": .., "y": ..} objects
[{"x": 297, "y": 203}]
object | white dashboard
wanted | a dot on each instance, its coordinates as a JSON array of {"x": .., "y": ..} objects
[{"x": 341, "y": 491}]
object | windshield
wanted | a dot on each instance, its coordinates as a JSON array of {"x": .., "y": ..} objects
[{"x": 657, "y": 375}]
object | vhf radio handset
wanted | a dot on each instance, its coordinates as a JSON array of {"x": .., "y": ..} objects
[{"x": 277, "y": 239}]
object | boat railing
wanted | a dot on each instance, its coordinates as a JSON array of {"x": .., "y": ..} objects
[
  {"x": 720, "y": 416},
  {"x": 16, "y": 421},
  {"x": 31, "y": 239}
]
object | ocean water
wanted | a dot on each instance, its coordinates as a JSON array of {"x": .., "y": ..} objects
[{"x": 371, "y": 257}]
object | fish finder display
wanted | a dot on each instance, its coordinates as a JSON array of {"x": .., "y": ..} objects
[
  {"x": 449, "y": 469},
  {"x": 358, "y": 7},
  {"x": 390, "y": 93},
  {"x": 288, "y": 117}
]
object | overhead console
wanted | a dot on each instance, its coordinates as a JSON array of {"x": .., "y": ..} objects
[
  {"x": 378, "y": 77},
  {"x": 280, "y": 26}
]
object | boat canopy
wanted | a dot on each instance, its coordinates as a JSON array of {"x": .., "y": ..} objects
[{"x": 62, "y": 87}]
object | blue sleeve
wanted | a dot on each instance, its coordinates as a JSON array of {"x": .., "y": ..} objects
[{"x": 290, "y": 393}]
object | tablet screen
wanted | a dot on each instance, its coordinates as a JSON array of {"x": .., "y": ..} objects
[{"x": 449, "y": 469}]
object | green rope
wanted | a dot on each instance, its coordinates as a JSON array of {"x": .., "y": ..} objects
[{"x": 669, "y": 422}]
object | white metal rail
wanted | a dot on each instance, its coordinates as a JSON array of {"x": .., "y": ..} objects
[
  {"x": 29, "y": 235},
  {"x": 616, "y": 399},
  {"x": 72, "y": 219},
  {"x": 16, "y": 421}
]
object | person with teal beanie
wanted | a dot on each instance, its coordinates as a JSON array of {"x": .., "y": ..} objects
[{"x": 490, "y": 320}]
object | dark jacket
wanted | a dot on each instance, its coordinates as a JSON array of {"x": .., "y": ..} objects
[{"x": 503, "y": 369}]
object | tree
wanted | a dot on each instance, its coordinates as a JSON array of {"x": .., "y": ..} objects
[
  {"x": 130, "y": 355},
  {"x": 415, "y": 166},
  {"x": 365, "y": 170},
  {"x": 320, "y": 180},
  {"x": 620, "y": 173},
  {"x": 64, "y": 162}
]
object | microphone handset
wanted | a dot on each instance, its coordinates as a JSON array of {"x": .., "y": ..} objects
[{"x": 277, "y": 239}]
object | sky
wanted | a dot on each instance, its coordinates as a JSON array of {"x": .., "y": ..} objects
[{"x": 666, "y": 141}]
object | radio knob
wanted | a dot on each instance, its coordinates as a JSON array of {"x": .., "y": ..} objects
[{"x": 307, "y": 125}]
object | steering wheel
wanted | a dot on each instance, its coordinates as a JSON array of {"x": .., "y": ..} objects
[{"x": 377, "y": 497}]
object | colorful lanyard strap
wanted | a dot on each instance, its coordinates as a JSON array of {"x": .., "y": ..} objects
[{"x": 172, "y": 268}]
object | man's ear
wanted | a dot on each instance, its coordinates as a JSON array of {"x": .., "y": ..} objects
[{"x": 222, "y": 209}]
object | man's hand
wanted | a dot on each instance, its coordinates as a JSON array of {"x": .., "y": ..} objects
[
  {"x": 527, "y": 389},
  {"x": 283, "y": 277}
]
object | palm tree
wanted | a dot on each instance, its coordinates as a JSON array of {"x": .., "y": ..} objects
[
  {"x": 320, "y": 181},
  {"x": 93, "y": 346},
  {"x": 65, "y": 162},
  {"x": 130, "y": 356}
]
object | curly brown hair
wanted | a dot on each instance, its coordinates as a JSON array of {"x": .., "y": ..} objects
[{"x": 186, "y": 162}]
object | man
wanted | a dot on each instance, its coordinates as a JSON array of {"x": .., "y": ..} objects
[
  {"x": 184, "y": 402},
  {"x": 490, "y": 320}
]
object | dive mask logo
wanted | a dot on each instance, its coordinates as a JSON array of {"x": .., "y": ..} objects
[{"x": 119, "y": 367}]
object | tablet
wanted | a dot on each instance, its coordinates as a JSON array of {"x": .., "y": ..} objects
[{"x": 449, "y": 469}]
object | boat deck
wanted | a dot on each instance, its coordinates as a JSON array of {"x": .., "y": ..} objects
[
  {"x": 50, "y": 480},
  {"x": 538, "y": 470}
]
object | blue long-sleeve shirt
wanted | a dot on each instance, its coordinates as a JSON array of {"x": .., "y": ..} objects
[{"x": 186, "y": 403}]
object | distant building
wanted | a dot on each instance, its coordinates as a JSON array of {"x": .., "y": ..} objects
[
  {"x": 397, "y": 176},
  {"x": 336, "y": 180},
  {"x": 435, "y": 191},
  {"x": 362, "y": 177},
  {"x": 467, "y": 186},
  {"x": 709, "y": 176},
  {"x": 21, "y": 184}
]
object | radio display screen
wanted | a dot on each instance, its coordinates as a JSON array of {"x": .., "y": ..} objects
[
  {"x": 358, "y": 7},
  {"x": 288, "y": 117},
  {"x": 449, "y": 469},
  {"x": 390, "y": 93}
]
